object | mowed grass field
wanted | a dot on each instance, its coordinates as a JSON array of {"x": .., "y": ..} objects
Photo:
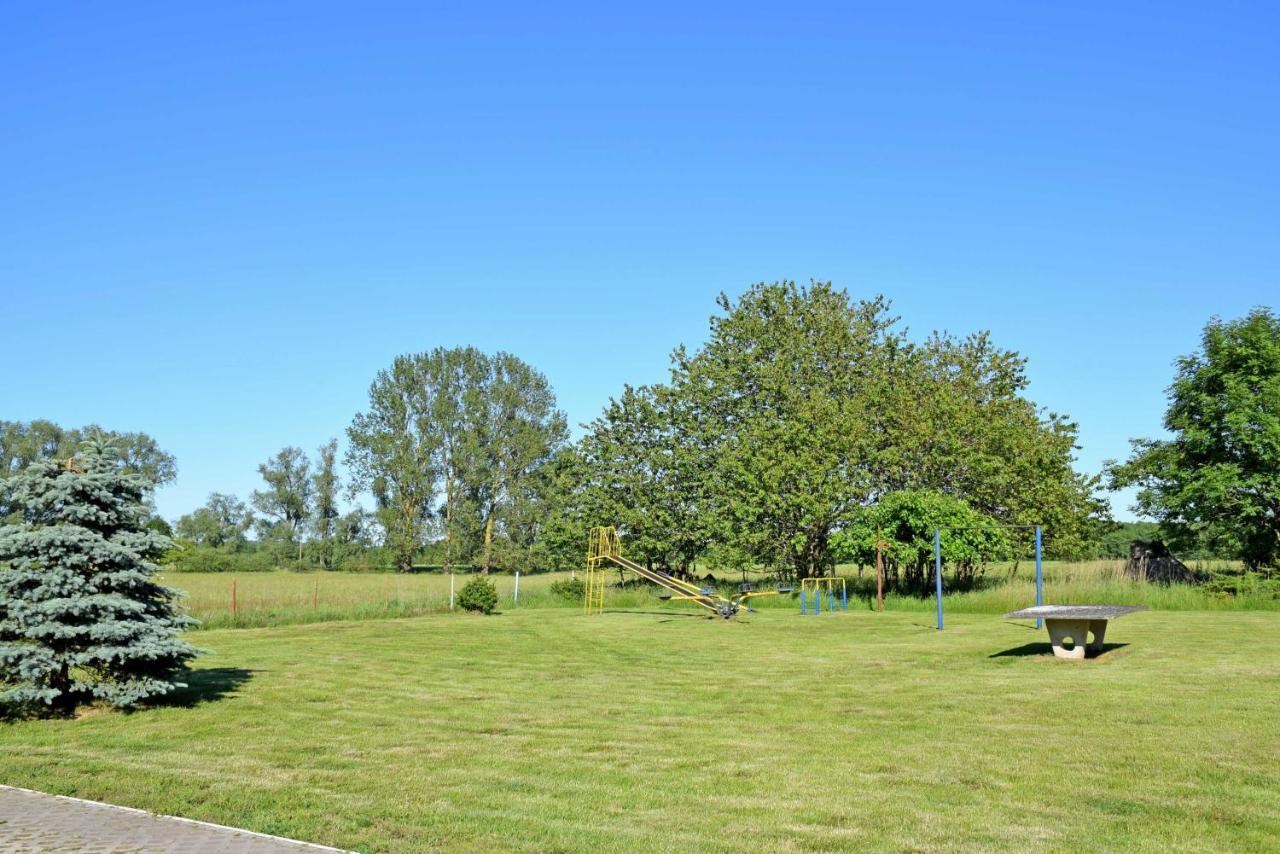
[{"x": 644, "y": 729}]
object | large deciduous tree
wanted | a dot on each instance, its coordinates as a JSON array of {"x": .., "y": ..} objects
[
  {"x": 956, "y": 421},
  {"x": 516, "y": 430},
  {"x": 805, "y": 407},
  {"x": 23, "y": 443},
  {"x": 783, "y": 400},
  {"x": 644, "y": 476},
  {"x": 222, "y": 523},
  {"x": 81, "y": 615},
  {"x": 1216, "y": 480},
  {"x": 457, "y": 436},
  {"x": 394, "y": 453},
  {"x": 325, "y": 511},
  {"x": 903, "y": 524},
  {"x": 286, "y": 502}
]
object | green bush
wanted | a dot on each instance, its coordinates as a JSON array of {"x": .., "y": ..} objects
[
  {"x": 193, "y": 558},
  {"x": 571, "y": 589},
  {"x": 478, "y": 595}
]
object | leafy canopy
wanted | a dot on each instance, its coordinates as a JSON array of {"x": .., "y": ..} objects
[{"x": 1216, "y": 481}]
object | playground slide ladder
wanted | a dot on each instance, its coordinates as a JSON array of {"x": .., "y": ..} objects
[{"x": 604, "y": 549}]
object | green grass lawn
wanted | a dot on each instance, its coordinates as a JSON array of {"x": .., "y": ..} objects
[{"x": 542, "y": 729}]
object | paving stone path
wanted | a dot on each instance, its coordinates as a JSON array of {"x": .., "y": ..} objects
[{"x": 33, "y": 821}]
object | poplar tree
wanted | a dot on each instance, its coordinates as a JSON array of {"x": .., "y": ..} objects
[
  {"x": 82, "y": 617},
  {"x": 325, "y": 511}
]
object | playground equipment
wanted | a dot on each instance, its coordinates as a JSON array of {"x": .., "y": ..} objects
[
  {"x": 816, "y": 585},
  {"x": 937, "y": 562},
  {"x": 604, "y": 548}
]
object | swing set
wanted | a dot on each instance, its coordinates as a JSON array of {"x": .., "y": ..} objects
[{"x": 811, "y": 591}]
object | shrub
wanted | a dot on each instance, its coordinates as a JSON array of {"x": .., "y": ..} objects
[
  {"x": 570, "y": 589},
  {"x": 478, "y": 595},
  {"x": 193, "y": 558}
]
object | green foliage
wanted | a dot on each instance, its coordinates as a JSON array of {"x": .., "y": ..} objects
[
  {"x": 905, "y": 521},
  {"x": 1217, "y": 480},
  {"x": 325, "y": 512},
  {"x": 192, "y": 557},
  {"x": 801, "y": 409},
  {"x": 478, "y": 595},
  {"x": 955, "y": 421},
  {"x": 222, "y": 523},
  {"x": 471, "y": 428},
  {"x": 23, "y": 443},
  {"x": 566, "y": 516},
  {"x": 780, "y": 406},
  {"x": 569, "y": 589},
  {"x": 1114, "y": 542},
  {"x": 642, "y": 477},
  {"x": 286, "y": 502},
  {"x": 81, "y": 616},
  {"x": 1243, "y": 583}
]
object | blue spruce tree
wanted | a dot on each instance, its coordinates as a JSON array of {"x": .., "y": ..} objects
[{"x": 82, "y": 618}]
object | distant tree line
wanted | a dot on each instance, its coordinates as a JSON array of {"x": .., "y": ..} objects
[{"x": 807, "y": 429}]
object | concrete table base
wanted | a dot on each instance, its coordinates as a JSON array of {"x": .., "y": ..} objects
[
  {"x": 1076, "y": 638},
  {"x": 1075, "y": 631}
]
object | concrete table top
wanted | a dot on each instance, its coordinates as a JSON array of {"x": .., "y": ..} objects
[{"x": 1074, "y": 612}]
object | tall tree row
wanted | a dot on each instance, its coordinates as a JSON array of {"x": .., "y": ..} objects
[{"x": 451, "y": 447}]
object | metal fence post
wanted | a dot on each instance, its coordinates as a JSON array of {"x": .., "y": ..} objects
[
  {"x": 1039, "y": 576},
  {"x": 937, "y": 571}
]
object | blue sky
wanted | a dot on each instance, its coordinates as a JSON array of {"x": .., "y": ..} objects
[{"x": 221, "y": 220}]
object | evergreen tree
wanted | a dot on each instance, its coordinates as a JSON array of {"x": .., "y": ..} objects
[{"x": 81, "y": 615}]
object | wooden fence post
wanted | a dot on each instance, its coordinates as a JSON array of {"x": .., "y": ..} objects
[
  {"x": 233, "y": 599},
  {"x": 880, "y": 544}
]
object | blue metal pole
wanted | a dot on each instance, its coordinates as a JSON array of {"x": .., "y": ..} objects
[
  {"x": 937, "y": 571},
  {"x": 1039, "y": 576},
  {"x": 802, "y": 610},
  {"x": 844, "y": 598},
  {"x": 831, "y": 601},
  {"x": 817, "y": 600}
]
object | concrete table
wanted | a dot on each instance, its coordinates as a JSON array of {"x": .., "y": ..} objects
[{"x": 1082, "y": 626}]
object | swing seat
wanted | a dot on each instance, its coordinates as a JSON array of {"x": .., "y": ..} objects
[
  {"x": 784, "y": 588},
  {"x": 663, "y": 594},
  {"x": 746, "y": 587}
]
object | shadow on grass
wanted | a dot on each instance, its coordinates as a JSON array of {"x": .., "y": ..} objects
[
  {"x": 207, "y": 685},
  {"x": 1044, "y": 648},
  {"x": 657, "y": 613}
]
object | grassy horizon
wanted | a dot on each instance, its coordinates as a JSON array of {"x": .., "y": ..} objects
[{"x": 285, "y": 598}]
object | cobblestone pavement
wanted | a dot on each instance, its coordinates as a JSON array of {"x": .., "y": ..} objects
[{"x": 33, "y": 821}]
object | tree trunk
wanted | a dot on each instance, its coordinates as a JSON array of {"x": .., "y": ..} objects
[
  {"x": 488, "y": 542},
  {"x": 64, "y": 705},
  {"x": 448, "y": 519}
]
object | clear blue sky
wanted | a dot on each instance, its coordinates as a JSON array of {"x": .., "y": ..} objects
[{"x": 220, "y": 220}]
